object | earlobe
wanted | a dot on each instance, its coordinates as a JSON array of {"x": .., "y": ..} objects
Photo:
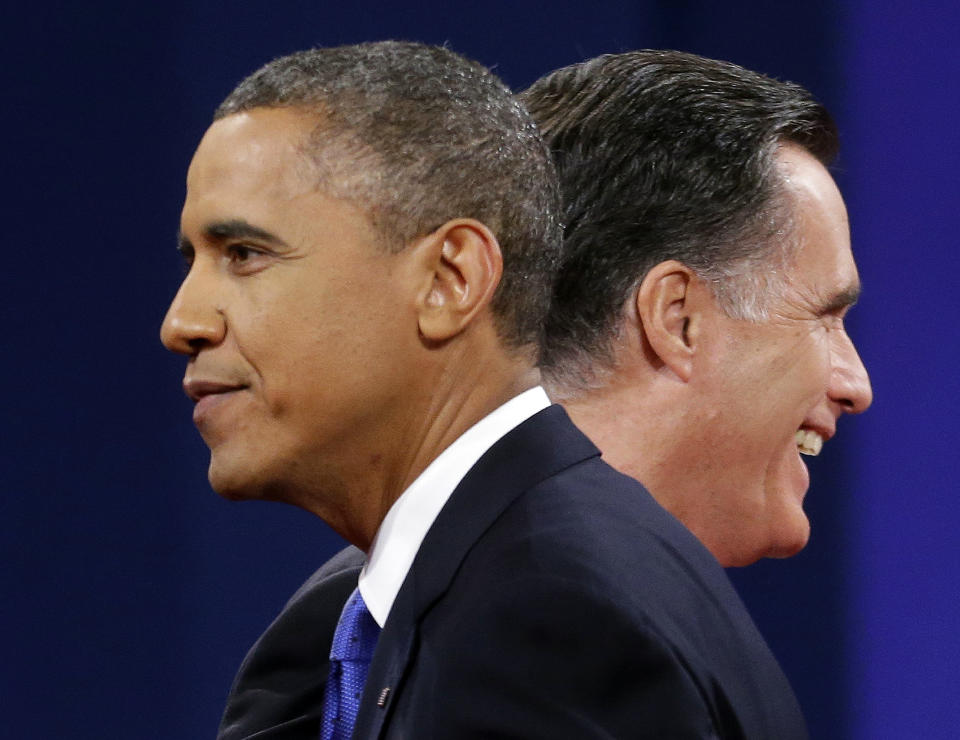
[
  {"x": 669, "y": 316},
  {"x": 463, "y": 267}
]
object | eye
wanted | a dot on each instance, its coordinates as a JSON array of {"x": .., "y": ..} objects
[
  {"x": 186, "y": 254},
  {"x": 240, "y": 252},
  {"x": 244, "y": 259},
  {"x": 834, "y": 320}
]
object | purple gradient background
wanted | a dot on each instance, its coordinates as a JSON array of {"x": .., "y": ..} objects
[{"x": 131, "y": 591}]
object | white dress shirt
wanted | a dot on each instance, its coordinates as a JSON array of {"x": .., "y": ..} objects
[{"x": 406, "y": 524}]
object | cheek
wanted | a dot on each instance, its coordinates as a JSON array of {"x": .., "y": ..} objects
[
  {"x": 800, "y": 371},
  {"x": 277, "y": 338},
  {"x": 815, "y": 367}
]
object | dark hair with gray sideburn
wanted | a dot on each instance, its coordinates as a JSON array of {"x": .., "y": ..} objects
[
  {"x": 664, "y": 155},
  {"x": 418, "y": 135}
]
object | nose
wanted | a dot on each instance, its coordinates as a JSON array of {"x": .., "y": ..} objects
[
  {"x": 193, "y": 320},
  {"x": 849, "y": 381}
]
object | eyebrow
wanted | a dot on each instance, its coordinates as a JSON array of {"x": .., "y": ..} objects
[{"x": 237, "y": 228}]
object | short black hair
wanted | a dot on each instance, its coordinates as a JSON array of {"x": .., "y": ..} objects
[
  {"x": 418, "y": 135},
  {"x": 663, "y": 155}
]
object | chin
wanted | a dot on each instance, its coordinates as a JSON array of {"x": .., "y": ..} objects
[
  {"x": 231, "y": 481},
  {"x": 231, "y": 491},
  {"x": 780, "y": 541},
  {"x": 788, "y": 529},
  {"x": 791, "y": 539},
  {"x": 244, "y": 481}
]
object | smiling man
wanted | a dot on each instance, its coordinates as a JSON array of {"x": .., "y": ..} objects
[
  {"x": 697, "y": 327},
  {"x": 371, "y": 235}
]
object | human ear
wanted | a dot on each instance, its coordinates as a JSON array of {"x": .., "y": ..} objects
[
  {"x": 463, "y": 267},
  {"x": 667, "y": 305}
]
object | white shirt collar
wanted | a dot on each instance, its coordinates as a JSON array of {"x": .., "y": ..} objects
[{"x": 406, "y": 524}]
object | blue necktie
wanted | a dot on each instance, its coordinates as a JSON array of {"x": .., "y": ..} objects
[{"x": 350, "y": 654}]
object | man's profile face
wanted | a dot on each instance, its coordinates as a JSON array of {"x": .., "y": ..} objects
[
  {"x": 295, "y": 323},
  {"x": 779, "y": 385}
]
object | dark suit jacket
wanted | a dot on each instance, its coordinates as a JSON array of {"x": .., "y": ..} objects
[
  {"x": 278, "y": 691},
  {"x": 552, "y": 598}
]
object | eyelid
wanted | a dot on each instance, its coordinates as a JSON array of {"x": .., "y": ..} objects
[
  {"x": 839, "y": 311},
  {"x": 244, "y": 258},
  {"x": 234, "y": 247}
]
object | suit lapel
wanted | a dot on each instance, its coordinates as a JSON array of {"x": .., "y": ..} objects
[{"x": 537, "y": 449}]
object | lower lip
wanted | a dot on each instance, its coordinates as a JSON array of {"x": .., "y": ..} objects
[
  {"x": 802, "y": 482},
  {"x": 208, "y": 405}
]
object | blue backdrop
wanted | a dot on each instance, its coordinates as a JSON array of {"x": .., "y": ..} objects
[{"x": 131, "y": 591}]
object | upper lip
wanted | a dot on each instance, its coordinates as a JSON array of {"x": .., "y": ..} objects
[
  {"x": 197, "y": 388},
  {"x": 826, "y": 431}
]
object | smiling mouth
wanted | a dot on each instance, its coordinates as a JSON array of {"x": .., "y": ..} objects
[{"x": 808, "y": 442}]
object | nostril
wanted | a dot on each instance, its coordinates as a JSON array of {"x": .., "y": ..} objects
[
  {"x": 197, "y": 343},
  {"x": 855, "y": 403}
]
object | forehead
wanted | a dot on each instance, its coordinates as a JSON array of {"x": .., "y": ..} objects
[
  {"x": 823, "y": 264},
  {"x": 252, "y": 173},
  {"x": 254, "y": 152}
]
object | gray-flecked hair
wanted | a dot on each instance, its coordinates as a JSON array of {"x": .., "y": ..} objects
[
  {"x": 418, "y": 135},
  {"x": 664, "y": 155}
]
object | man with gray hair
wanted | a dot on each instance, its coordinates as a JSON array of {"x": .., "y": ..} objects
[
  {"x": 696, "y": 332},
  {"x": 371, "y": 233}
]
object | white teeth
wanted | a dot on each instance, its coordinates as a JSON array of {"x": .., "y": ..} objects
[{"x": 808, "y": 442}]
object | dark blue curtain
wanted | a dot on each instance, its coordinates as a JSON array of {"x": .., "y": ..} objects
[{"x": 131, "y": 591}]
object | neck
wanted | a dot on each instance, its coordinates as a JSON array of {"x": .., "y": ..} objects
[
  {"x": 648, "y": 432},
  {"x": 371, "y": 471},
  {"x": 636, "y": 419},
  {"x": 620, "y": 418}
]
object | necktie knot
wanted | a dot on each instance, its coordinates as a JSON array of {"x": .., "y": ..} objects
[
  {"x": 357, "y": 632},
  {"x": 354, "y": 641}
]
